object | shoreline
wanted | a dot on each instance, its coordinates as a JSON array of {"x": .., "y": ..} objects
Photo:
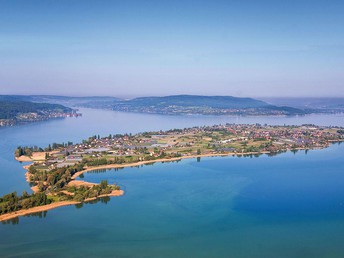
[
  {"x": 51, "y": 206},
  {"x": 75, "y": 182},
  {"x": 114, "y": 193},
  {"x": 36, "y": 156},
  {"x": 144, "y": 162},
  {"x": 47, "y": 207},
  {"x": 23, "y": 159},
  {"x": 27, "y": 178},
  {"x": 54, "y": 205}
]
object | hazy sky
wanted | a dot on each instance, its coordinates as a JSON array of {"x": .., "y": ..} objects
[{"x": 137, "y": 48}]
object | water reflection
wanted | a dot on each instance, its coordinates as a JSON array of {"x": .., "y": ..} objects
[
  {"x": 13, "y": 221},
  {"x": 43, "y": 214}
]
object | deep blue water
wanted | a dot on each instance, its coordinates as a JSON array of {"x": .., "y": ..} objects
[{"x": 290, "y": 205}]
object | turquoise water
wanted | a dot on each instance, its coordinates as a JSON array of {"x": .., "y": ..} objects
[{"x": 290, "y": 205}]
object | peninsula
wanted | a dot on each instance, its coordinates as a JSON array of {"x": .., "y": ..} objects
[
  {"x": 14, "y": 111},
  {"x": 54, "y": 170}
]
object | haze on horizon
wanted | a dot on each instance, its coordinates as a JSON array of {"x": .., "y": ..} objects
[{"x": 140, "y": 48}]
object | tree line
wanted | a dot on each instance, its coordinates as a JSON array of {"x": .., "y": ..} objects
[{"x": 12, "y": 202}]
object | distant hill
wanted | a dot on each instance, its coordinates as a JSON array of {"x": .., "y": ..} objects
[
  {"x": 11, "y": 108},
  {"x": 312, "y": 105},
  {"x": 194, "y": 104},
  {"x": 96, "y": 102},
  {"x": 200, "y": 101},
  {"x": 176, "y": 104},
  {"x": 14, "y": 111}
]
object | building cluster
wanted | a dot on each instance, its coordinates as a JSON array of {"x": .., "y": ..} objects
[
  {"x": 35, "y": 117},
  {"x": 211, "y": 139}
]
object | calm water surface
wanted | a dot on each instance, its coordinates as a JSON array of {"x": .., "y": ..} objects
[{"x": 290, "y": 205}]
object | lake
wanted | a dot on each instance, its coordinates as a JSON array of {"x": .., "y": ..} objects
[{"x": 290, "y": 205}]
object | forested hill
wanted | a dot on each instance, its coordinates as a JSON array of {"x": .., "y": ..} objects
[
  {"x": 194, "y": 100},
  {"x": 176, "y": 104},
  {"x": 92, "y": 101},
  {"x": 14, "y": 111},
  {"x": 11, "y": 109},
  {"x": 193, "y": 104}
]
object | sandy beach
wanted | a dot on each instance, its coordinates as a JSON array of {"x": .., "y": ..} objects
[
  {"x": 36, "y": 156},
  {"x": 23, "y": 159},
  {"x": 27, "y": 178},
  {"x": 36, "y": 209},
  {"x": 114, "y": 193},
  {"x": 81, "y": 183},
  {"x": 54, "y": 206}
]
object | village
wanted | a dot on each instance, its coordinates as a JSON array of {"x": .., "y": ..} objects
[
  {"x": 207, "y": 140},
  {"x": 30, "y": 117}
]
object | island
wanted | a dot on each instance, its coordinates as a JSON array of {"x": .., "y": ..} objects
[{"x": 54, "y": 171}]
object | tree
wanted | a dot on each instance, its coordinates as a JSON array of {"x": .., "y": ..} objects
[
  {"x": 104, "y": 184},
  {"x": 78, "y": 197},
  {"x": 25, "y": 195},
  {"x": 19, "y": 152}
]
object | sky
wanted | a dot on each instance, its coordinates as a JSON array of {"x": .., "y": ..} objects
[{"x": 130, "y": 48}]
